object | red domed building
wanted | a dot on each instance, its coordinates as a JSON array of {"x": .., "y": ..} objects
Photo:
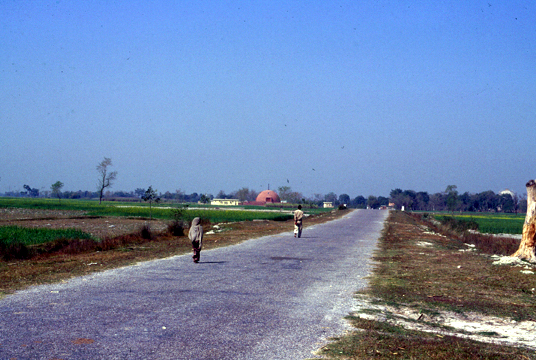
[{"x": 268, "y": 196}]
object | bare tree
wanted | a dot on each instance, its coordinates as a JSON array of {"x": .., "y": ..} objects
[
  {"x": 527, "y": 248},
  {"x": 245, "y": 194},
  {"x": 105, "y": 178}
]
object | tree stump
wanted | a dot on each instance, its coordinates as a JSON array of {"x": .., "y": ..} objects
[{"x": 526, "y": 249}]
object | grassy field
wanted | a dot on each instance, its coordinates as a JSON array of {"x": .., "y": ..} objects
[
  {"x": 210, "y": 214},
  {"x": 160, "y": 211},
  {"x": 492, "y": 223},
  {"x": 32, "y": 236}
]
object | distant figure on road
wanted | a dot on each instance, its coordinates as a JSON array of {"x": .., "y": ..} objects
[
  {"x": 298, "y": 221},
  {"x": 196, "y": 237}
]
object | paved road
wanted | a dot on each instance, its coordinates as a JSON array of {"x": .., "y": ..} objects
[{"x": 275, "y": 297}]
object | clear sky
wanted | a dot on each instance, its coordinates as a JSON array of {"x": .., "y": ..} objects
[{"x": 355, "y": 97}]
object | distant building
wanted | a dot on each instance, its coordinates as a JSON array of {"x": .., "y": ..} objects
[
  {"x": 328, "y": 204},
  {"x": 224, "y": 202},
  {"x": 268, "y": 196},
  {"x": 507, "y": 192}
]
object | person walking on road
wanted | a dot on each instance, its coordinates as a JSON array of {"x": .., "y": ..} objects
[
  {"x": 196, "y": 237},
  {"x": 298, "y": 222}
]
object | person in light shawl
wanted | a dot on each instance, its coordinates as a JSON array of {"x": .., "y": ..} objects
[
  {"x": 196, "y": 237},
  {"x": 298, "y": 221}
]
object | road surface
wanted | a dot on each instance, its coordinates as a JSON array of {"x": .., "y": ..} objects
[{"x": 276, "y": 297}]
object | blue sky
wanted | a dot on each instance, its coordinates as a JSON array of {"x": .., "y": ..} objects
[{"x": 355, "y": 97}]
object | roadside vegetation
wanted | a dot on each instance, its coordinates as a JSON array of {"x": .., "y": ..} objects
[{"x": 433, "y": 290}]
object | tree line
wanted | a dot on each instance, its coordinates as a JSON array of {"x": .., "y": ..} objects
[
  {"x": 448, "y": 200},
  {"x": 410, "y": 200},
  {"x": 451, "y": 200}
]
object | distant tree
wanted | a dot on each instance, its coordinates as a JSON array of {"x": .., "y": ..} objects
[
  {"x": 179, "y": 195},
  {"x": 318, "y": 199},
  {"x": 331, "y": 197},
  {"x": 397, "y": 198},
  {"x": 488, "y": 201},
  {"x": 506, "y": 203},
  {"x": 373, "y": 202},
  {"x": 383, "y": 201},
  {"x": 359, "y": 202},
  {"x": 151, "y": 195},
  {"x": 105, "y": 178},
  {"x": 523, "y": 205},
  {"x": 465, "y": 202},
  {"x": 31, "y": 192},
  {"x": 139, "y": 192},
  {"x": 406, "y": 199},
  {"x": 452, "y": 197},
  {"x": 344, "y": 199},
  {"x": 437, "y": 202},
  {"x": 56, "y": 189},
  {"x": 204, "y": 199},
  {"x": 284, "y": 193},
  {"x": 193, "y": 197},
  {"x": 223, "y": 195},
  {"x": 421, "y": 200},
  {"x": 245, "y": 194},
  {"x": 517, "y": 200},
  {"x": 295, "y": 197}
]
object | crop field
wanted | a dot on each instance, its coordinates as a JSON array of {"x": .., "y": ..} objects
[
  {"x": 493, "y": 223},
  {"x": 160, "y": 211},
  {"x": 36, "y": 236},
  {"x": 38, "y": 221},
  {"x": 214, "y": 215}
]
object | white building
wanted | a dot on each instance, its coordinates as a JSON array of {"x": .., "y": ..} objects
[
  {"x": 224, "y": 202},
  {"x": 507, "y": 192}
]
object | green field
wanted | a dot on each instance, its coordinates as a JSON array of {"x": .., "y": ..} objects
[
  {"x": 159, "y": 211},
  {"x": 162, "y": 211},
  {"x": 493, "y": 223},
  {"x": 36, "y": 236}
]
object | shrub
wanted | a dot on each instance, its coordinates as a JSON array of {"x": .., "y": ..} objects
[
  {"x": 176, "y": 228},
  {"x": 14, "y": 251},
  {"x": 458, "y": 225},
  {"x": 145, "y": 232},
  {"x": 178, "y": 222}
]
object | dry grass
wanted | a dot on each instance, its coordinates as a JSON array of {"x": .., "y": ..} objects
[
  {"x": 381, "y": 340},
  {"x": 419, "y": 268}
]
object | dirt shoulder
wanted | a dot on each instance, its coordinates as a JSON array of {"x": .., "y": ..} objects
[
  {"x": 50, "y": 268},
  {"x": 431, "y": 296}
]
